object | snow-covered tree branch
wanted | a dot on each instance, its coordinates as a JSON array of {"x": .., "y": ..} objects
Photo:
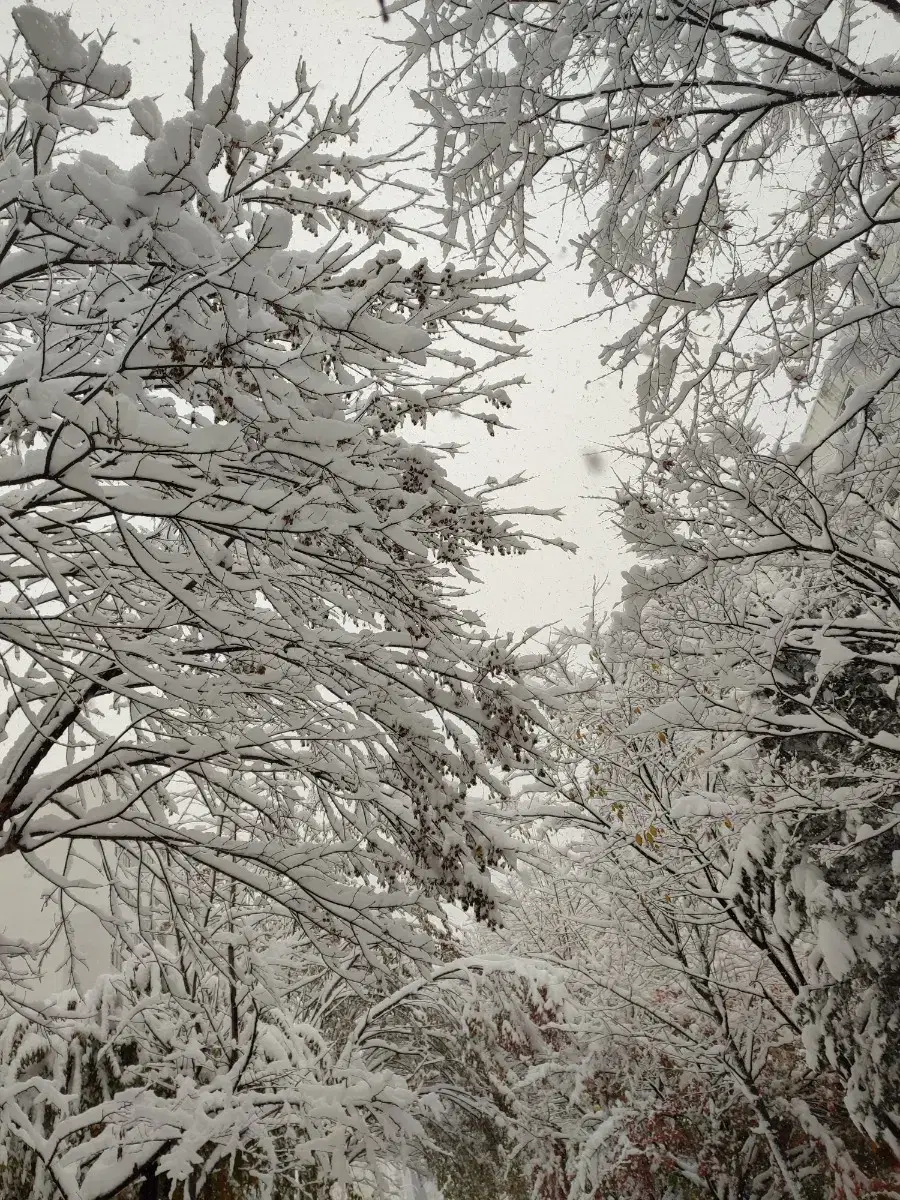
[
  {"x": 248, "y": 728},
  {"x": 729, "y": 171}
]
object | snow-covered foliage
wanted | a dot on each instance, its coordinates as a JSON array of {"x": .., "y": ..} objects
[
  {"x": 730, "y": 168},
  {"x": 234, "y": 1067},
  {"x": 723, "y": 876},
  {"x": 672, "y": 1067},
  {"x": 713, "y": 880},
  {"x": 247, "y": 727},
  {"x": 723, "y": 873},
  {"x": 774, "y": 604},
  {"x": 252, "y": 735}
]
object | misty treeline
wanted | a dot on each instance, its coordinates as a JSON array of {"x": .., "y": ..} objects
[{"x": 602, "y": 912}]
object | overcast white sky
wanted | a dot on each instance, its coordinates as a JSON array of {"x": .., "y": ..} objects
[{"x": 562, "y": 412}]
